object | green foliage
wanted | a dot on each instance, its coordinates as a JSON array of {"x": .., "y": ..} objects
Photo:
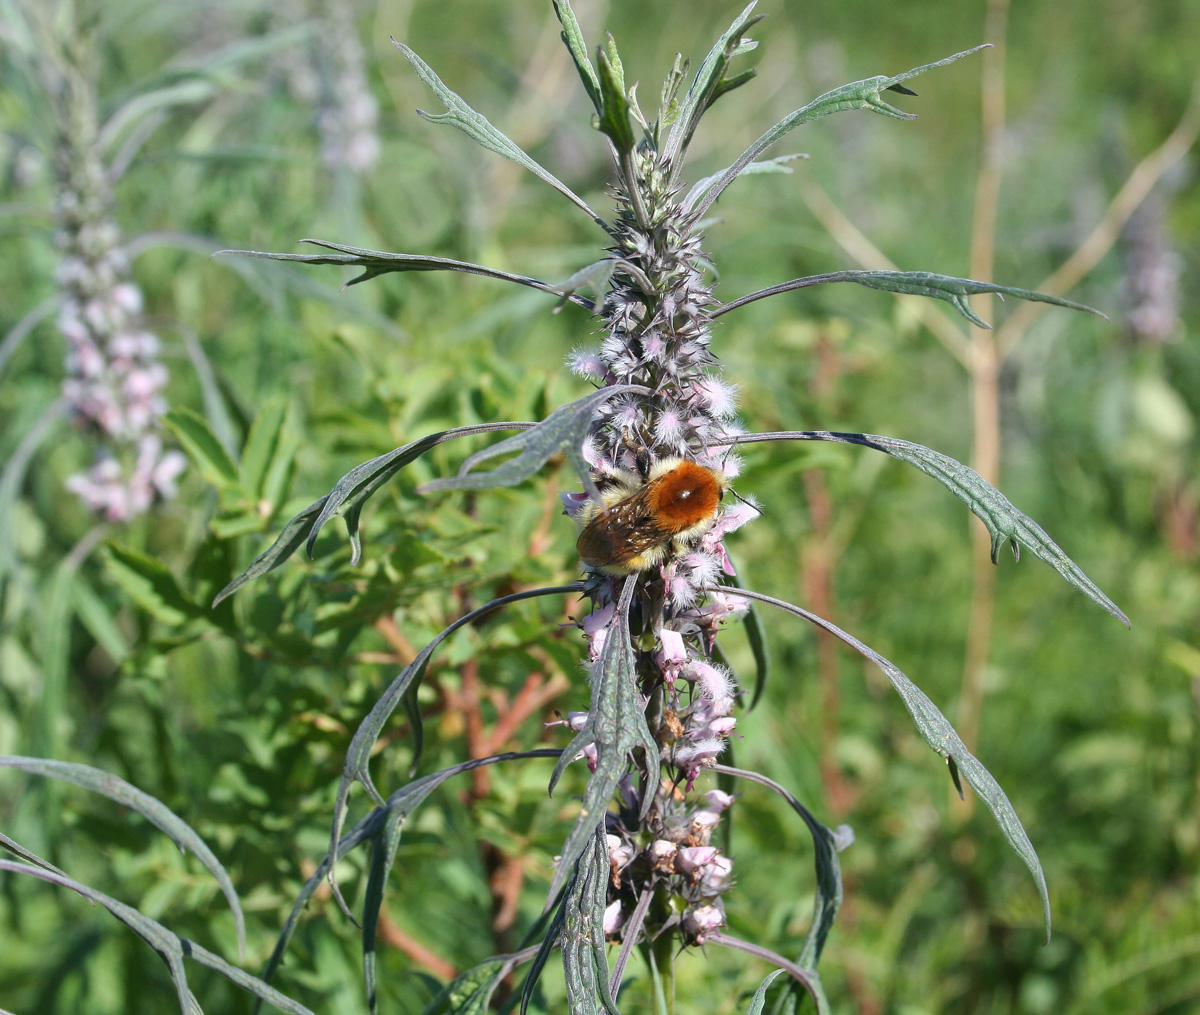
[{"x": 238, "y": 718}]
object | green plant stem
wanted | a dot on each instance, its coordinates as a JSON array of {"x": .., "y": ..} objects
[{"x": 660, "y": 955}]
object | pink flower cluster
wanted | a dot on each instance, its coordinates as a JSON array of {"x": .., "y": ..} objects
[
  {"x": 114, "y": 380},
  {"x": 680, "y": 859}
]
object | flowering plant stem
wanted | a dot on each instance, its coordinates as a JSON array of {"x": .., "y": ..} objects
[{"x": 656, "y": 448}]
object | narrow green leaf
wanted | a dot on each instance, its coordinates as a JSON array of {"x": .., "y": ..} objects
[
  {"x": 360, "y": 483},
  {"x": 96, "y": 616},
  {"x": 807, "y": 979},
  {"x": 563, "y": 430},
  {"x": 616, "y": 724},
  {"x": 573, "y": 37},
  {"x": 381, "y": 262},
  {"x": 585, "y": 959},
  {"x": 553, "y": 933},
  {"x": 760, "y": 995},
  {"x": 150, "y": 808},
  {"x": 169, "y": 945},
  {"x": 149, "y": 584},
  {"x": 261, "y": 446},
  {"x": 470, "y": 993},
  {"x": 1004, "y": 522},
  {"x": 779, "y": 164},
  {"x": 595, "y": 276},
  {"x": 203, "y": 448},
  {"x": 668, "y": 106},
  {"x": 286, "y": 543},
  {"x": 856, "y": 95},
  {"x": 756, "y": 635},
  {"x": 914, "y": 283},
  {"x": 827, "y": 899},
  {"x": 707, "y": 85},
  {"x": 25, "y": 854},
  {"x": 479, "y": 130},
  {"x": 937, "y": 732},
  {"x": 613, "y": 120},
  {"x": 383, "y": 856}
]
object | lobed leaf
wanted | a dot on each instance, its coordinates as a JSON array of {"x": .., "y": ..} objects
[
  {"x": 347, "y": 498},
  {"x": 169, "y": 945},
  {"x": 480, "y": 130},
  {"x": 382, "y": 262},
  {"x": 914, "y": 283},
  {"x": 150, "y": 808},
  {"x": 865, "y": 94},
  {"x": 564, "y": 430},
  {"x": 286, "y": 543},
  {"x": 937, "y": 732},
  {"x": 1003, "y": 521}
]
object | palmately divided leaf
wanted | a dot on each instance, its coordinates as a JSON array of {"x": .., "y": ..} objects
[
  {"x": 937, "y": 732},
  {"x": 382, "y": 262},
  {"x": 564, "y": 430},
  {"x": 347, "y": 498},
  {"x": 481, "y": 131},
  {"x": 150, "y": 808},
  {"x": 914, "y": 283},
  {"x": 865, "y": 94},
  {"x": 1004, "y": 522}
]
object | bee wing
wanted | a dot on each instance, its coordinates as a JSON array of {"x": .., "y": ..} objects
[{"x": 625, "y": 531}]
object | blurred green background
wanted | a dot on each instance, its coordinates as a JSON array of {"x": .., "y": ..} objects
[{"x": 278, "y": 121}]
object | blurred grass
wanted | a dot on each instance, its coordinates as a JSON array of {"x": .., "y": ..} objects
[{"x": 1092, "y": 730}]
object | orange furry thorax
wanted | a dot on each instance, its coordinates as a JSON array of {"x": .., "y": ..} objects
[{"x": 685, "y": 496}]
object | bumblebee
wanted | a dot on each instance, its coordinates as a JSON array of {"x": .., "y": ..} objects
[{"x": 647, "y": 520}]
